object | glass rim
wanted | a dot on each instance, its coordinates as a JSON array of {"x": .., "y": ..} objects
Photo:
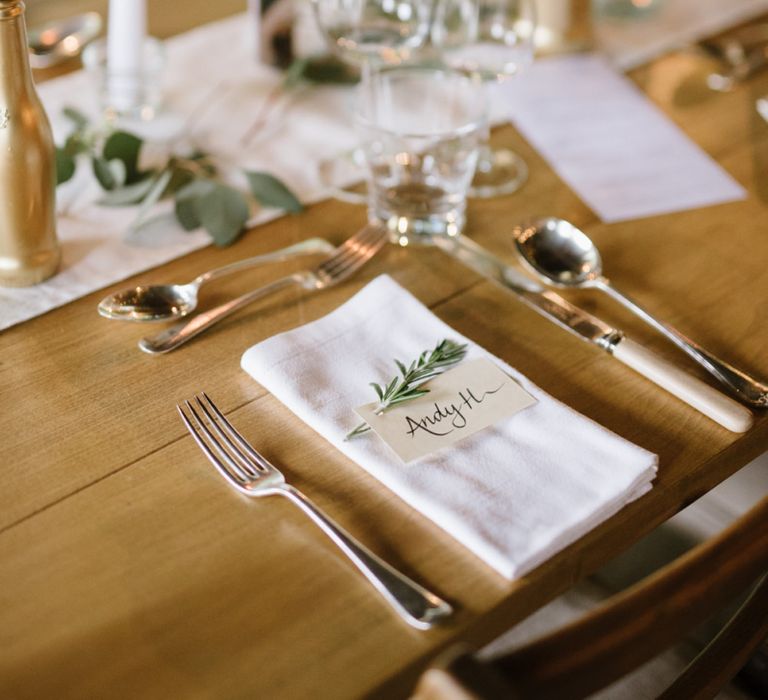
[{"x": 479, "y": 122}]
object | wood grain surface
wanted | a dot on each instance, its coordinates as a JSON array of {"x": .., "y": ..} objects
[{"x": 129, "y": 569}]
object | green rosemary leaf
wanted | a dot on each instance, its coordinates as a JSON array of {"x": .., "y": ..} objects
[
  {"x": 429, "y": 364},
  {"x": 391, "y": 387},
  {"x": 415, "y": 394}
]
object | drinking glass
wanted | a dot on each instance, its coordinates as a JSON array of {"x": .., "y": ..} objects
[
  {"x": 493, "y": 39},
  {"x": 421, "y": 128},
  {"x": 368, "y": 33}
]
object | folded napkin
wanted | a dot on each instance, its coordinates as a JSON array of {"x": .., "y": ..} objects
[{"x": 514, "y": 494}]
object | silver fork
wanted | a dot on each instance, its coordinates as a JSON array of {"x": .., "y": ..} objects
[
  {"x": 348, "y": 258},
  {"x": 253, "y": 475}
]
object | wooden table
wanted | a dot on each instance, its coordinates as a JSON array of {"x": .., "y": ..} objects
[{"x": 129, "y": 569}]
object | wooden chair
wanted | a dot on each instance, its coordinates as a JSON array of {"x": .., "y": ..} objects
[{"x": 633, "y": 627}]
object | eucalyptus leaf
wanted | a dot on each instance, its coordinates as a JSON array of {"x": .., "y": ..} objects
[
  {"x": 65, "y": 166},
  {"x": 125, "y": 148},
  {"x": 103, "y": 173},
  {"x": 76, "y": 117},
  {"x": 223, "y": 213},
  {"x": 187, "y": 212},
  {"x": 271, "y": 192},
  {"x": 128, "y": 194},
  {"x": 188, "y": 202},
  {"x": 196, "y": 188},
  {"x": 156, "y": 191}
]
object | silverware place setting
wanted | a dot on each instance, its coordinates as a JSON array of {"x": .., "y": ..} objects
[{"x": 348, "y": 258}]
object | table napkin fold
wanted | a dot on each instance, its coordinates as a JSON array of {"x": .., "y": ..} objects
[{"x": 514, "y": 494}]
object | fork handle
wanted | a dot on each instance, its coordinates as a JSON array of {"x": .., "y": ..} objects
[
  {"x": 180, "y": 333},
  {"x": 306, "y": 247},
  {"x": 415, "y": 604}
]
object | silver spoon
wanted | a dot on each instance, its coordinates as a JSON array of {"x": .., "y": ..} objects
[
  {"x": 562, "y": 254},
  {"x": 55, "y": 42},
  {"x": 163, "y": 302}
]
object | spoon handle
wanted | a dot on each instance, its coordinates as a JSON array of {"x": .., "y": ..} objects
[
  {"x": 746, "y": 388},
  {"x": 307, "y": 247},
  {"x": 180, "y": 333}
]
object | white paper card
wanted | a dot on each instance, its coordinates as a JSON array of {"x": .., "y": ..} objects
[
  {"x": 460, "y": 402},
  {"x": 620, "y": 153}
]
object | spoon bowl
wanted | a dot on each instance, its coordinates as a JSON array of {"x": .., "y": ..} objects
[
  {"x": 559, "y": 253},
  {"x": 57, "y": 41},
  {"x": 156, "y": 302}
]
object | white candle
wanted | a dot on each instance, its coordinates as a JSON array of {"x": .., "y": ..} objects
[
  {"x": 126, "y": 35},
  {"x": 254, "y": 15}
]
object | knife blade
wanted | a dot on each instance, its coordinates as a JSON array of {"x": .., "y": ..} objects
[{"x": 693, "y": 391}]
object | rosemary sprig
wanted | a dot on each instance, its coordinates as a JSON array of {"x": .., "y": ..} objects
[{"x": 406, "y": 387}]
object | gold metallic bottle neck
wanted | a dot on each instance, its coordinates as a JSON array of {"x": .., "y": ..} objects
[{"x": 14, "y": 59}]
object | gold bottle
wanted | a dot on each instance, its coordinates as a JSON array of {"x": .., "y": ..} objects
[{"x": 29, "y": 251}]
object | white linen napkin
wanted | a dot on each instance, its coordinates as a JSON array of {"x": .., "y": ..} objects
[{"x": 514, "y": 494}]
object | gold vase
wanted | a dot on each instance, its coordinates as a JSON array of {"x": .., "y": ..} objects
[{"x": 29, "y": 250}]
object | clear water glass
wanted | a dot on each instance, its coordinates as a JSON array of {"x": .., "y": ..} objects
[
  {"x": 422, "y": 128},
  {"x": 136, "y": 96}
]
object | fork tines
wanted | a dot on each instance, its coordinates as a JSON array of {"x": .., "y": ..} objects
[
  {"x": 355, "y": 250},
  {"x": 220, "y": 441}
]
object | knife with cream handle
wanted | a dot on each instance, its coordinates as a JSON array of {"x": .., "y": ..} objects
[{"x": 693, "y": 391}]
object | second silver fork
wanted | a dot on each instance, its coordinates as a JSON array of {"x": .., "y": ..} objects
[
  {"x": 348, "y": 258},
  {"x": 253, "y": 475}
]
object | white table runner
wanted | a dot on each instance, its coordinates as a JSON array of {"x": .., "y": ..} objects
[{"x": 223, "y": 92}]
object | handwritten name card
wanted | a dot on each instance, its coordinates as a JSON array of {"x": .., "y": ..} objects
[{"x": 460, "y": 403}]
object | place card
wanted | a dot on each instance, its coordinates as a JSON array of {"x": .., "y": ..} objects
[{"x": 460, "y": 403}]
